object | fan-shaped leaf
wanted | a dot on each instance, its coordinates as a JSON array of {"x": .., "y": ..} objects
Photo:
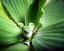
[
  {"x": 24, "y": 10},
  {"x": 51, "y": 35},
  {"x": 8, "y": 31}
]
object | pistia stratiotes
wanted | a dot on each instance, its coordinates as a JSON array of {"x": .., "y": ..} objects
[{"x": 31, "y": 25}]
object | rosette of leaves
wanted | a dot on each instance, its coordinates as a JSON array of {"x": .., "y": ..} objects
[{"x": 31, "y": 25}]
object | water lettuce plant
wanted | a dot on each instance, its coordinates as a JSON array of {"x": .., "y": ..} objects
[{"x": 31, "y": 25}]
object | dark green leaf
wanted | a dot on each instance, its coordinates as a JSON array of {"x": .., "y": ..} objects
[
  {"x": 51, "y": 35},
  {"x": 17, "y": 47},
  {"x": 35, "y": 11}
]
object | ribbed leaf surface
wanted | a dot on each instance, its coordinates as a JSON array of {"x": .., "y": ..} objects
[
  {"x": 51, "y": 35},
  {"x": 24, "y": 10},
  {"x": 8, "y": 31}
]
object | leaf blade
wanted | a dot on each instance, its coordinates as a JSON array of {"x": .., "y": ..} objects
[
  {"x": 24, "y": 10},
  {"x": 17, "y": 47},
  {"x": 51, "y": 35},
  {"x": 8, "y": 31}
]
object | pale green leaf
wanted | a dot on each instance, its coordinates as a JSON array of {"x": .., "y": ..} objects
[
  {"x": 24, "y": 10},
  {"x": 8, "y": 31},
  {"x": 2, "y": 11}
]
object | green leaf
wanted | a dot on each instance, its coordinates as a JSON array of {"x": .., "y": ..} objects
[
  {"x": 17, "y": 47},
  {"x": 51, "y": 35},
  {"x": 35, "y": 11},
  {"x": 8, "y": 31},
  {"x": 24, "y": 10},
  {"x": 54, "y": 13},
  {"x": 2, "y": 11}
]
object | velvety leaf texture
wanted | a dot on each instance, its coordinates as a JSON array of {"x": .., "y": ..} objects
[
  {"x": 51, "y": 35},
  {"x": 24, "y": 10},
  {"x": 47, "y": 18},
  {"x": 8, "y": 31}
]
